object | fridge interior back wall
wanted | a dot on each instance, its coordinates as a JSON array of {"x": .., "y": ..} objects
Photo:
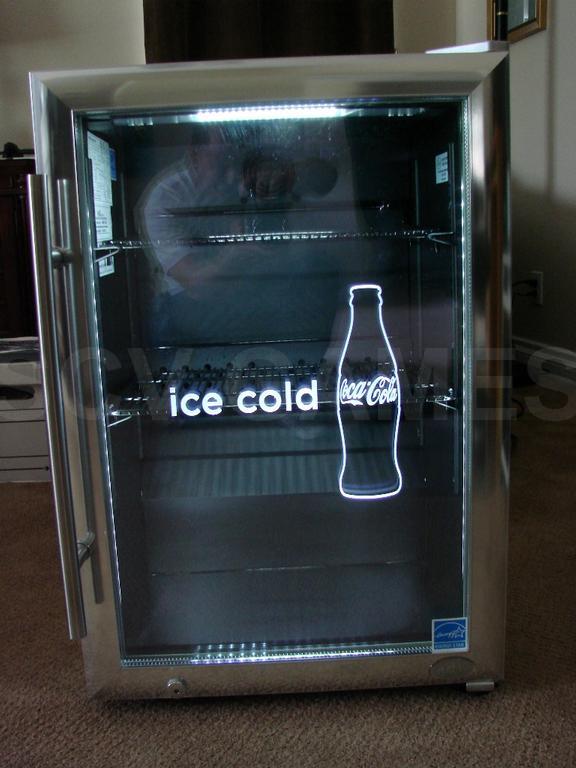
[{"x": 268, "y": 292}]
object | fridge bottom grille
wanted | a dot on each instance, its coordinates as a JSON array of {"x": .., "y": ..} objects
[{"x": 249, "y": 655}]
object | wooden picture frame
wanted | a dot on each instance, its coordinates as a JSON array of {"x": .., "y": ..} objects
[{"x": 534, "y": 24}]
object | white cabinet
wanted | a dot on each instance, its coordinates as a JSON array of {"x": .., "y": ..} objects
[{"x": 23, "y": 437}]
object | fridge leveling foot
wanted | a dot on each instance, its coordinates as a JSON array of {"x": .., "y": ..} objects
[
  {"x": 176, "y": 687},
  {"x": 480, "y": 686}
]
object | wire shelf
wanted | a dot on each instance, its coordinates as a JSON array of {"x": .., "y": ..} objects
[{"x": 442, "y": 238}]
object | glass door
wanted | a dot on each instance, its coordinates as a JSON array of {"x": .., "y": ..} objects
[{"x": 280, "y": 330}]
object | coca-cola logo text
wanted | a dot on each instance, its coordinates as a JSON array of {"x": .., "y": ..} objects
[{"x": 376, "y": 391}]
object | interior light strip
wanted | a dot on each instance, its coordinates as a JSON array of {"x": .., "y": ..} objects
[
  {"x": 285, "y": 112},
  {"x": 254, "y": 113}
]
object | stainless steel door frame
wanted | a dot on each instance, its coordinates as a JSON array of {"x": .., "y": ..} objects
[
  {"x": 64, "y": 344},
  {"x": 490, "y": 367},
  {"x": 59, "y": 99}
]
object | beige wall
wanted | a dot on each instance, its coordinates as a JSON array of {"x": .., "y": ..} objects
[
  {"x": 470, "y": 21},
  {"x": 60, "y": 34},
  {"x": 543, "y": 88},
  {"x": 543, "y": 149},
  {"x": 543, "y": 145},
  {"x": 421, "y": 25}
]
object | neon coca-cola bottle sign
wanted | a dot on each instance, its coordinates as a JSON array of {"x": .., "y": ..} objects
[{"x": 369, "y": 406}]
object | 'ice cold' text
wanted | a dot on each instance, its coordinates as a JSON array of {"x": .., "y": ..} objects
[{"x": 248, "y": 401}]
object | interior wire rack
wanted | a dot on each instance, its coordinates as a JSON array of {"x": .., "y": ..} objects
[{"x": 113, "y": 247}]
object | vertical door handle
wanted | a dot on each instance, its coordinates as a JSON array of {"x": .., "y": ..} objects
[{"x": 44, "y": 259}]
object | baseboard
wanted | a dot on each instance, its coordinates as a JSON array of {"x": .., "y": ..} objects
[{"x": 542, "y": 359}]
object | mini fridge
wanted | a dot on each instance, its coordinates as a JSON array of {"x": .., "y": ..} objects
[{"x": 273, "y": 301}]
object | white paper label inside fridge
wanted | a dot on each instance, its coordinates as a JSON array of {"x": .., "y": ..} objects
[
  {"x": 442, "y": 168},
  {"x": 99, "y": 155},
  {"x": 106, "y": 266},
  {"x": 103, "y": 217}
]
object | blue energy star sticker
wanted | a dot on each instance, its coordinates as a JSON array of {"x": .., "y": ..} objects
[{"x": 450, "y": 634}]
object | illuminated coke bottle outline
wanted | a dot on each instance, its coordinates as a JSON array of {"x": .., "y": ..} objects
[{"x": 389, "y": 386}]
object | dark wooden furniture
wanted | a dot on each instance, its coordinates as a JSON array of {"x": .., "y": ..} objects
[
  {"x": 17, "y": 312},
  {"x": 195, "y": 30}
]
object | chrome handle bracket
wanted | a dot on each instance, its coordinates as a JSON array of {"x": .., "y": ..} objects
[
  {"x": 61, "y": 257},
  {"x": 85, "y": 548}
]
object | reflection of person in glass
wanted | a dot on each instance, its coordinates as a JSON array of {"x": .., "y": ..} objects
[
  {"x": 224, "y": 188},
  {"x": 216, "y": 189},
  {"x": 178, "y": 206}
]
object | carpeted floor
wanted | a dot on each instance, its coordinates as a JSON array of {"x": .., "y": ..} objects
[{"x": 529, "y": 721}]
